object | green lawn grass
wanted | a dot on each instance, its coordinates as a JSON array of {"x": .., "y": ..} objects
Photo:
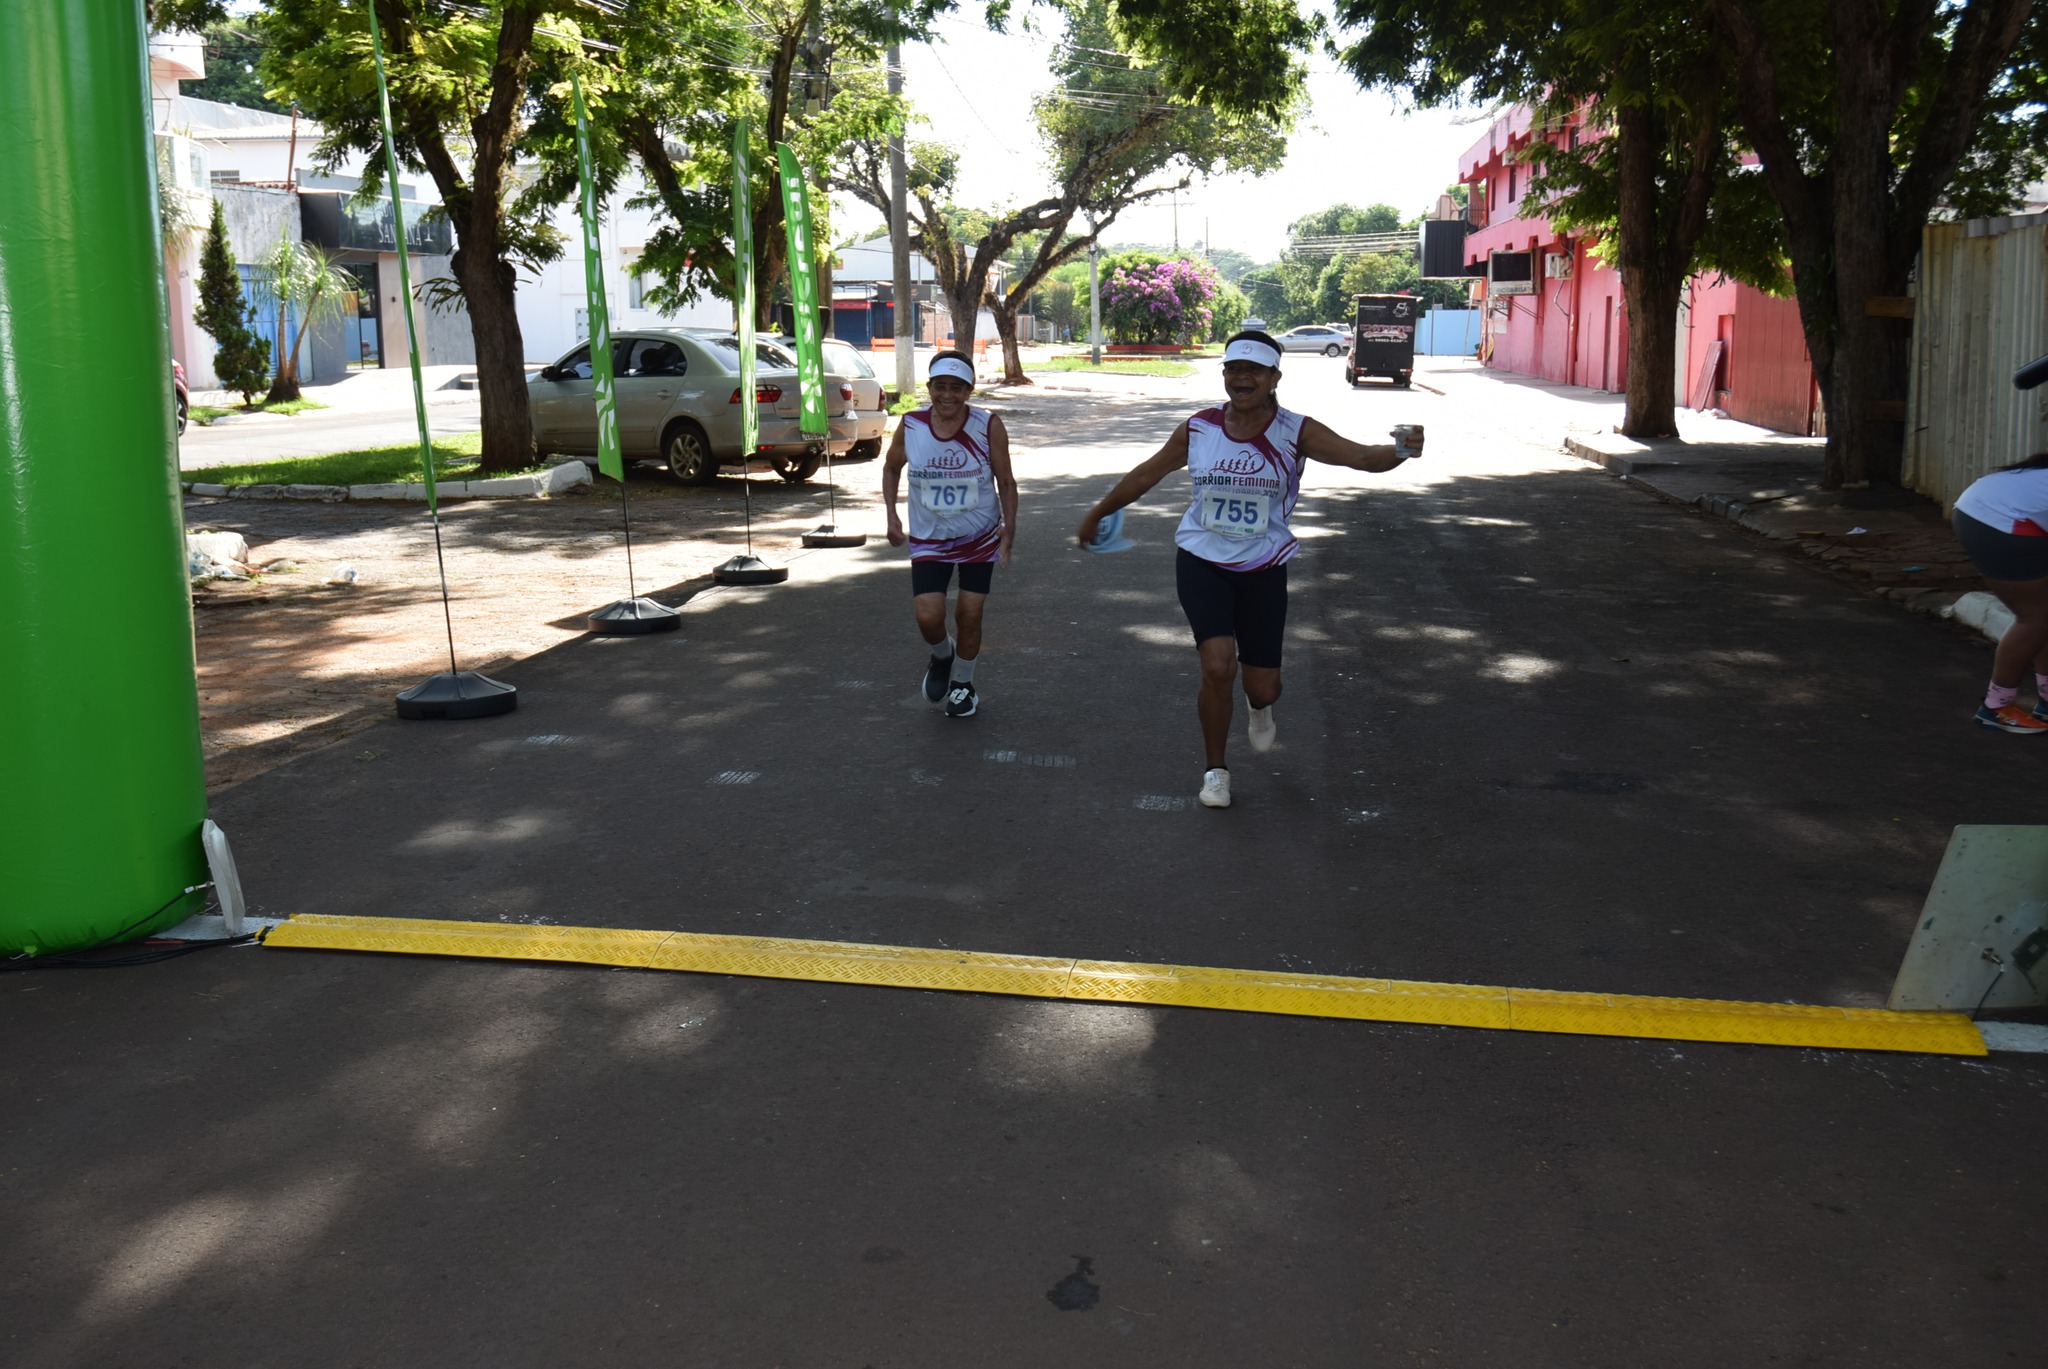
[
  {"x": 203, "y": 414},
  {"x": 1126, "y": 366},
  {"x": 455, "y": 458}
]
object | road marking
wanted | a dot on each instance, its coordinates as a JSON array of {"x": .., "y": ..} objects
[
  {"x": 2026, "y": 1038},
  {"x": 1162, "y": 803},
  {"x": 1029, "y": 758},
  {"x": 549, "y": 739},
  {"x": 735, "y": 777},
  {"x": 1186, "y": 986}
]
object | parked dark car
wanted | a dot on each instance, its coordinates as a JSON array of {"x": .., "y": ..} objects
[{"x": 184, "y": 395}]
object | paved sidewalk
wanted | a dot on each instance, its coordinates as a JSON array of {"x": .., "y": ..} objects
[
  {"x": 1894, "y": 543},
  {"x": 381, "y": 390}
]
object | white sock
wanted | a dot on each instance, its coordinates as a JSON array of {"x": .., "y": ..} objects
[
  {"x": 942, "y": 652},
  {"x": 963, "y": 669}
]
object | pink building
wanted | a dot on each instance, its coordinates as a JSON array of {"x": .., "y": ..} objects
[{"x": 1554, "y": 311}]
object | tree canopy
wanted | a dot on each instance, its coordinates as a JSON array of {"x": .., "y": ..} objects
[{"x": 1866, "y": 121}]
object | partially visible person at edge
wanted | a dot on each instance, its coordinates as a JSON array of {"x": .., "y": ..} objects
[
  {"x": 963, "y": 515},
  {"x": 2002, "y": 522},
  {"x": 1244, "y": 461}
]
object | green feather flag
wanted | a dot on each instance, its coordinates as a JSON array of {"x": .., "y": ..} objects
[
  {"x": 803, "y": 289},
  {"x": 603, "y": 384},
  {"x": 743, "y": 280},
  {"x": 419, "y": 389}
]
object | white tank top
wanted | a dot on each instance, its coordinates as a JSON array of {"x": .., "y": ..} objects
[
  {"x": 2009, "y": 499},
  {"x": 954, "y": 515},
  {"x": 1244, "y": 492}
]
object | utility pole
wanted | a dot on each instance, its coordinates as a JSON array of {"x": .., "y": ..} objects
[
  {"x": 1094, "y": 294},
  {"x": 899, "y": 243}
]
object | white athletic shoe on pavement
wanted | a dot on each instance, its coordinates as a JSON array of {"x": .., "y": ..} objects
[
  {"x": 1259, "y": 732},
  {"x": 1215, "y": 788}
]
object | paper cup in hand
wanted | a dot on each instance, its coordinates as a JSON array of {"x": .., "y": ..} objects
[
  {"x": 1107, "y": 534},
  {"x": 1407, "y": 440}
]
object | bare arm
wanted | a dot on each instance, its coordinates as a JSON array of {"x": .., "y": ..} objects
[
  {"x": 892, "y": 474},
  {"x": 1006, "y": 482},
  {"x": 1319, "y": 443},
  {"x": 1135, "y": 485}
]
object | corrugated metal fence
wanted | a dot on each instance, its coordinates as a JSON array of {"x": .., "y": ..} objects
[{"x": 1981, "y": 314}]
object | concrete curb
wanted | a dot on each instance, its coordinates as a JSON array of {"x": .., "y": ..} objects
[
  {"x": 567, "y": 476},
  {"x": 1636, "y": 464}
]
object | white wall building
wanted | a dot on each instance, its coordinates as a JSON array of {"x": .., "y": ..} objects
[
  {"x": 554, "y": 313},
  {"x": 259, "y": 165}
]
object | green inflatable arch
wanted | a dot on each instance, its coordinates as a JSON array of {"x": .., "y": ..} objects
[{"x": 101, "y": 785}]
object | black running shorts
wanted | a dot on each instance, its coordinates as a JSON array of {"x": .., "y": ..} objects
[
  {"x": 1250, "y": 605},
  {"x": 2001, "y": 555},
  {"x": 932, "y": 577}
]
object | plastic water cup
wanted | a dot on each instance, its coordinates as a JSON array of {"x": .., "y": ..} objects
[
  {"x": 1109, "y": 534},
  {"x": 1407, "y": 440}
]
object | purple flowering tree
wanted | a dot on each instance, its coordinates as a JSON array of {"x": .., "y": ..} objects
[{"x": 1147, "y": 299}]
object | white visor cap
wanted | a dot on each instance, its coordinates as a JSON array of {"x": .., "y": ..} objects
[
  {"x": 954, "y": 367},
  {"x": 1250, "y": 349}
]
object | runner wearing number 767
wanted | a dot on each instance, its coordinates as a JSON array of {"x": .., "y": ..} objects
[
  {"x": 1244, "y": 460},
  {"x": 963, "y": 516}
]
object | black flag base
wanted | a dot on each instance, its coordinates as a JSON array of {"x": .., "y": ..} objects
[
  {"x": 749, "y": 570},
  {"x": 462, "y": 694},
  {"x": 828, "y": 535},
  {"x": 629, "y": 617}
]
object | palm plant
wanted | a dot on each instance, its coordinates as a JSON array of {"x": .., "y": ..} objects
[{"x": 307, "y": 279}]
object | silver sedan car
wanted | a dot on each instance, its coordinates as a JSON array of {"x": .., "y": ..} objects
[
  {"x": 1315, "y": 337},
  {"x": 678, "y": 402},
  {"x": 870, "y": 406}
]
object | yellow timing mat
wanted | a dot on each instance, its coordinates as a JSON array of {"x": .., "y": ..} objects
[{"x": 1178, "y": 986}]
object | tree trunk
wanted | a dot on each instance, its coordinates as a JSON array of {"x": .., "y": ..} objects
[
  {"x": 285, "y": 388},
  {"x": 1005, "y": 314},
  {"x": 487, "y": 288},
  {"x": 964, "y": 299},
  {"x": 1861, "y": 448},
  {"x": 1652, "y": 355},
  {"x": 284, "y": 385},
  {"x": 1650, "y": 284}
]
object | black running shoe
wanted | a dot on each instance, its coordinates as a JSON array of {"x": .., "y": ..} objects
[
  {"x": 960, "y": 701},
  {"x": 935, "y": 676}
]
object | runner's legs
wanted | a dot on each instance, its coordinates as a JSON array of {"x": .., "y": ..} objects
[
  {"x": 931, "y": 617},
  {"x": 1217, "y": 697},
  {"x": 966, "y": 622},
  {"x": 1261, "y": 685}
]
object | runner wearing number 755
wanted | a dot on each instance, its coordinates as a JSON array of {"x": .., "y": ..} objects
[{"x": 1244, "y": 460}]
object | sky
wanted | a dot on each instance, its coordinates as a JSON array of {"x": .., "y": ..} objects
[{"x": 976, "y": 88}]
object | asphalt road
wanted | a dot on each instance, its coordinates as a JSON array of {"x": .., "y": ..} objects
[
  {"x": 319, "y": 432},
  {"x": 1539, "y": 730}
]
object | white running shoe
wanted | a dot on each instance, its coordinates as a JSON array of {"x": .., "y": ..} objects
[
  {"x": 1259, "y": 732},
  {"x": 1215, "y": 788}
]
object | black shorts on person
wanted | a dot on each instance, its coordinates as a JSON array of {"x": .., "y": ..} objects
[
  {"x": 2001, "y": 555},
  {"x": 1250, "y": 605},
  {"x": 932, "y": 577}
]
